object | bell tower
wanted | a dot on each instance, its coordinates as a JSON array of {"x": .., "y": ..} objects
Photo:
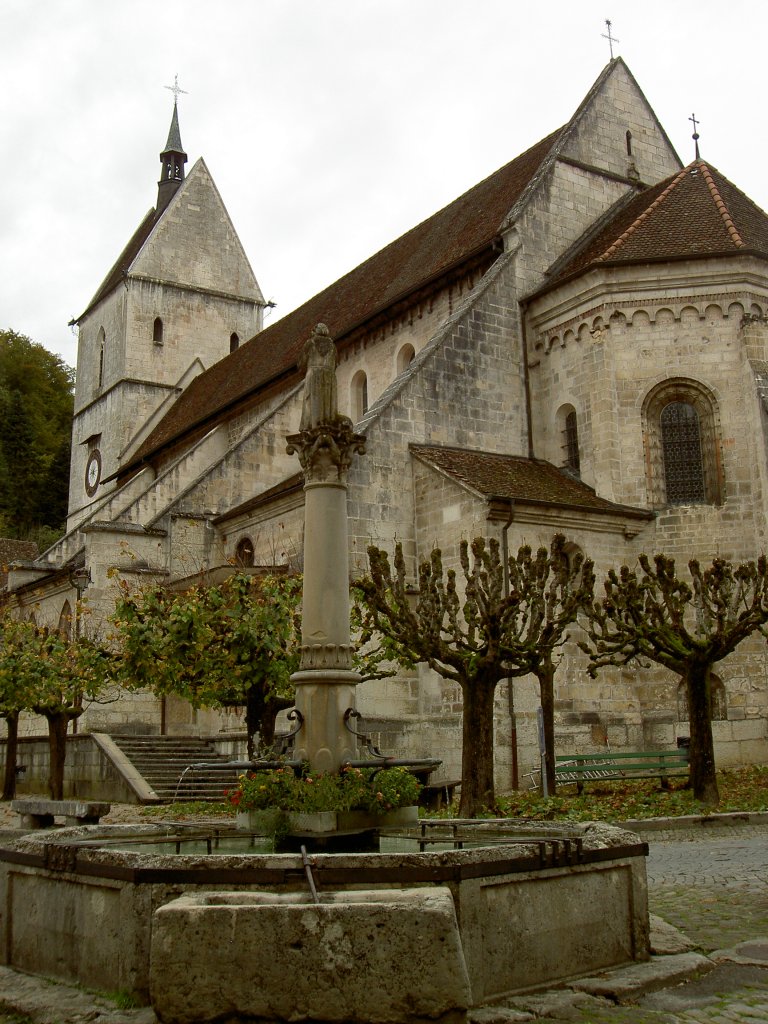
[{"x": 167, "y": 310}]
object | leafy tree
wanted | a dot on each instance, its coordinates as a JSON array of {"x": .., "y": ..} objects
[
  {"x": 493, "y": 633},
  {"x": 35, "y": 428},
  {"x": 657, "y": 617},
  {"x": 15, "y": 695},
  {"x": 215, "y": 645},
  {"x": 45, "y": 672}
]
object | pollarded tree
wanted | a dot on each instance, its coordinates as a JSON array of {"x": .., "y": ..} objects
[
  {"x": 687, "y": 628},
  {"x": 494, "y": 632},
  {"x": 552, "y": 589},
  {"x": 215, "y": 645}
]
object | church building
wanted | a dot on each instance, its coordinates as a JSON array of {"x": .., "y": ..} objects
[{"x": 578, "y": 344}]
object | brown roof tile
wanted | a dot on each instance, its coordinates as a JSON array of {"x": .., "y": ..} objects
[
  {"x": 454, "y": 235},
  {"x": 693, "y": 214},
  {"x": 523, "y": 480}
]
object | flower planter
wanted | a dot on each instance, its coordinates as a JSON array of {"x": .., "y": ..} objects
[
  {"x": 262, "y": 822},
  {"x": 403, "y": 817},
  {"x": 313, "y": 821}
]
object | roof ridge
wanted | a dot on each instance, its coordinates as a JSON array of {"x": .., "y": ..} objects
[
  {"x": 721, "y": 205},
  {"x": 641, "y": 218}
]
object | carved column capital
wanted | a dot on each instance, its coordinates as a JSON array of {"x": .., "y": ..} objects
[{"x": 325, "y": 451}]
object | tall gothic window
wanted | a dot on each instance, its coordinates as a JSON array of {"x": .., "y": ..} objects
[
  {"x": 157, "y": 331},
  {"x": 682, "y": 445},
  {"x": 234, "y": 341}
]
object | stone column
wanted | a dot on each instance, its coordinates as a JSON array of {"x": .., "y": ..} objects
[{"x": 325, "y": 683}]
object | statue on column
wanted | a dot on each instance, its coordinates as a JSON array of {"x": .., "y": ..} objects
[
  {"x": 318, "y": 360},
  {"x": 326, "y": 440}
]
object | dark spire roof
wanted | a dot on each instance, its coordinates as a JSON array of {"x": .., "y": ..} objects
[
  {"x": 173, "y": 145},
  {"x": 694, "y": 214},
  {"x": 172, "y": 160}
]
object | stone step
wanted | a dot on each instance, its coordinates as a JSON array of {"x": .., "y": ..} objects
[{"x": 163, "y": 760}]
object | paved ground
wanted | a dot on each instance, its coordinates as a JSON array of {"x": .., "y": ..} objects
[{"x": 710, "y": 882}]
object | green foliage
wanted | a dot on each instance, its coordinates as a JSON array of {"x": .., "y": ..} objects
[
  {"x": 35, "y": 431},
  {"x": 371, "y": 790},
  {"x": 189, "y": 809},
  {"x": 234, "y": 643},
  {"x": 43, "y": 671}
]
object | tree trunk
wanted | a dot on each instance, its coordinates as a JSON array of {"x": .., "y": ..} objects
[
  {"x": 477, "y": 791},
  {"x": 546, "y": 677},
  {"x": 57, "y": 747},
  {"x": 11, "y": 747},
  {"x": 703, "y": 777},
  {"x": 260, "y": 717}
]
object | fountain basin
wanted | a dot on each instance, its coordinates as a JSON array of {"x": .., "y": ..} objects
[
  {"x": 378, "y": 955},
  {"x": 530, "y": 913}
]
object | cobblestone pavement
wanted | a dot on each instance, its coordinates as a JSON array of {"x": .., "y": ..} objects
[{"x": 711, "y": 883}]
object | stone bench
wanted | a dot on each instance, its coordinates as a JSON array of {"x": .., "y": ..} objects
[{"x": 39, "y": 812}]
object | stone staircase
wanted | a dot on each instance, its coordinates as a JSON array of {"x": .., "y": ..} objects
[{"x": 161, "y": 761}]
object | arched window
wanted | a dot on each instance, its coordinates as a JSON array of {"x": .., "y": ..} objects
[
  {"x": 65, "y": 621},
  {"x": 359, "y": 395},
  {"x": 157, "y": 331},
  {"x": 405, "y": 357},
  {"x": 244, "y": 552},
  {"x": 234, "y": 342},
  {"x": 569, "y": 439},
  {"x": 682, "y": 431}
]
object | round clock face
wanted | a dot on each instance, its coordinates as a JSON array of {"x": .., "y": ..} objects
[{"x": 93, "y": 472}]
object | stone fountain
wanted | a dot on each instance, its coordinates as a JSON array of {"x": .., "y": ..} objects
[{"x": 375, "y": 938}]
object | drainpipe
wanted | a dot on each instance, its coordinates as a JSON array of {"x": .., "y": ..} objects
[
  {"x": 510, "y": 680},
  {"x": 526, "y": 381}
]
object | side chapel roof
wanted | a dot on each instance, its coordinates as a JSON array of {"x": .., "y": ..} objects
[
  {"x": 519, "y": 479},
  {"x": 696, "y": 213}
]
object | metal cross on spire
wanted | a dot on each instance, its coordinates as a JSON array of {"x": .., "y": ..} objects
[
  {"x": 695, "y": 135},
  {"x": 176, "y": 89},
  {"x": 609, "y": 36}
]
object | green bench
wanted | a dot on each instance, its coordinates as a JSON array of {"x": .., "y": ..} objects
[{"x": 644, "y": 764}]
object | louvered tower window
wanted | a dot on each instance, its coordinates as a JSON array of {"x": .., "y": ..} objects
[{"x": 681, "y": 452}]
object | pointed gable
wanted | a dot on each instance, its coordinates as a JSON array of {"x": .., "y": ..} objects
[
  {"x": 186, "y": 244},
  {"x": 196, "y": 220}
]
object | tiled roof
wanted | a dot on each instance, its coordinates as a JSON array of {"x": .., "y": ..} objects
[
  {"x": 462, "y": 230},
  {"x": 523, "y": 480},
  {"x": 695, "y": 213}
]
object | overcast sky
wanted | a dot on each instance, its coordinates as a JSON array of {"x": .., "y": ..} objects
[{"x": 330, "y": 126}]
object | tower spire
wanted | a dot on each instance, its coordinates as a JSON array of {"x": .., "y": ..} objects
[{"x": 173, "y": 157}]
